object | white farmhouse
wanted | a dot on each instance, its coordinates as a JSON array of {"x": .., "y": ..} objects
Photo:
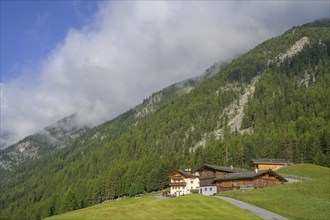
[{"x": 183, "y": 182}]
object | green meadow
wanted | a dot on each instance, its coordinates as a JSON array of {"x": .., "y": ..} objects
[
  {"x": 304, "y": 200},
  {"x": 186, "y": 207}
]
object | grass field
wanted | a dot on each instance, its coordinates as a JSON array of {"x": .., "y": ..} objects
[
  {"x": 304, "y": 200},
  {"x": 187, "y": 207}
]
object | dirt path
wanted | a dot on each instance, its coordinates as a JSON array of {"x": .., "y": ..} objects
[{"x": 263, "y": 213}]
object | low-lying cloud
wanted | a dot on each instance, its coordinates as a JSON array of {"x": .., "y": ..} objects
[{"x": 132, "y": 49}]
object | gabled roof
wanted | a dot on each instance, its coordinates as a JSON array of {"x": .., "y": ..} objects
[
  {"x": 249, "y": 175},
  {"x": 220, "y": 168},
  {"x": 271, "y": 161},
  {"x": 184, "y": 173}
]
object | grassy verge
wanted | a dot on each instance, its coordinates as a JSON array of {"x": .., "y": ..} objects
[
  {"x": 187, "y": 207},
  {"x": 304, "y": 200}
]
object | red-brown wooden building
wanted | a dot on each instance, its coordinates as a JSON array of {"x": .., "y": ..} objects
[
  {"x": 253, "y": 179},
  {"x": 207, "y": 174},
  {"x": 273, "y": 164}
]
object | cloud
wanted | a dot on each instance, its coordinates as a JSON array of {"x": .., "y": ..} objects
[{"x": 132, "y": 49}]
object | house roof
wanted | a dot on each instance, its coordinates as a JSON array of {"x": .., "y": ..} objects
[
  {"x": 184, "y": 173},
  {"x": 220, "y": 168},
  {"x": 248, "y": 175},
  {"x": 271, "y": 161}
]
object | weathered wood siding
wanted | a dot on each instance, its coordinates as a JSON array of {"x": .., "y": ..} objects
[
  {"x": 258, "y": 182},
  {"x": 269, "y": 166},
  {"x": 177, "y": 176},
  {"x": 266, "y": 181},
  {"x": 206, "y": 176}
]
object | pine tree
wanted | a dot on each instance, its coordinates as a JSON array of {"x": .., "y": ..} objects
[
  {"x": 132, "y": 190},
  {"x": 69, "y": 201}
]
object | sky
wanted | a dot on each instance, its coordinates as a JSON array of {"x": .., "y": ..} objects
[{"x": 101, "y": 58}]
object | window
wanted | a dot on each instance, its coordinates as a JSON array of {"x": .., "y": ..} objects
[
  {"x": 191, "y": 182},
  {"x": 205, "y": 189},
  {"x": 210, "y": 188}
]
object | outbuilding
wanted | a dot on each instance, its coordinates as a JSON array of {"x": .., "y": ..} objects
[{"x": 273, "y": 164}]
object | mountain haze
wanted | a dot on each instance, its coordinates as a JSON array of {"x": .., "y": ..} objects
[
  {"x": 42, "y": 143},
  {"x": 69, "y": 128},
  {"x": 271, "y": 102}
]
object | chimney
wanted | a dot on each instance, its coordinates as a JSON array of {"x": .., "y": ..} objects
[
  {"x": 256, "y": 170},
  {"x": 231, "y": 167}
]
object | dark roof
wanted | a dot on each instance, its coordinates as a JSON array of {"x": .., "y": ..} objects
[
  {"x": 184, "y": 173},
  {"x": 273, "y": 161},
  {"x": 248, "y": 175},
  {"x": 220, "y": 168}
]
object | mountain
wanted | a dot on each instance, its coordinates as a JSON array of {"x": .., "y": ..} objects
[
  {"x": 159, "y": 100},
  {"x": 64, "y": 131},
  {"x": 271, "y": 102},
  {"x": 42, "y": 143}
]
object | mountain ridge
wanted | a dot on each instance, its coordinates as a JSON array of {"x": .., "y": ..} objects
[
  {"x": 54, "y": 136},
  {"x": 289, "y": 119},
  {"x": 64, "y": 131}
]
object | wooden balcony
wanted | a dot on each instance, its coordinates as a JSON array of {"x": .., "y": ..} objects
[
  {"x": 177, "y": 177},
  {"x": 178, "y": 184}
]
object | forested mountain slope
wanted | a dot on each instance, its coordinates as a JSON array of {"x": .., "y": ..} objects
[
  {"x": 41, "y": 143},
  {"x": 286, "y": 81},
  {"x": 64, "y": 131}
]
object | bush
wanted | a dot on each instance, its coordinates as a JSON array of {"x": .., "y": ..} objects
[{"x": 194, "y": 191}]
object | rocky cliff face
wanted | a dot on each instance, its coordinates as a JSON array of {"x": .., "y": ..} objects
[
  {"x": 67, "y": 129},
  {"x": 43, "y": 142},
  {"x": 257, "y": 106},
  {"x": 160, "y": 99}
]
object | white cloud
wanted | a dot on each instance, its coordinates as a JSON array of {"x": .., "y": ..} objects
[{"x": 132, "y": 49}]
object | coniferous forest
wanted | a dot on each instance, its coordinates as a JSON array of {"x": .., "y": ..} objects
[{"x": 286, "y": 117}]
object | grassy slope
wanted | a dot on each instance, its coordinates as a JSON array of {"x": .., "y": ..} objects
[
  {"x": 304, "y": 200},
  {"x": 188, "y": 207},
  {"x": 307, "y": 170}
]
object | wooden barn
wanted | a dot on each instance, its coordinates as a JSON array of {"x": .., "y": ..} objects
[
  {"x": 207, "y": 174},
  {"x": 273, "y": 164},
  {"x": 250, "y": 179}
]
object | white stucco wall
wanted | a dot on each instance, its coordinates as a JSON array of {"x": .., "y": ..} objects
[
  {"x": 191, "y": 183},
  {"x": 208, "y": 190}
]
